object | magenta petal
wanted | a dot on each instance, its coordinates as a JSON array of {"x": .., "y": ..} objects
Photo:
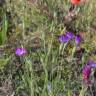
[
  {"x": 86, "y": 72},
  {"x": 20, "y": 51},
  {"x": 86, "y": 69}
]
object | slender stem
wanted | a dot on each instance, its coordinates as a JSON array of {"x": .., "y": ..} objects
[
  {"x": 30, "y": 80},
  {"x": 73, "y": 51},
  {"x": 23, "y": 20},
  {"x": 62, "y": 48}
]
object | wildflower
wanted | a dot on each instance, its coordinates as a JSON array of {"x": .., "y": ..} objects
[
  {"x": 77, "y": 39},
  {"x": 70, "y": 35},
  {"x": 20, "y": 51},
  {"x": 92, "y": 64},
  {"x": 75, "y": 2},
  {"x": 63, "y": 38},
  {"x": 86, "y": 72}
]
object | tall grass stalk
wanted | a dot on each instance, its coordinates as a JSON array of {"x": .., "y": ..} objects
[
  {"x": 3, "y": 33},
  {"x": 29, "y": 76}
]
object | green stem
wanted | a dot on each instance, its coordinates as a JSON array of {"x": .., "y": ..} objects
[
  {"x": 62, "y": 48},
  {"x": 73, "y": 51}
]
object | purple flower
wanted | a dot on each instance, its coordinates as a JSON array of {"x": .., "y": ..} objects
[
  {"x": 70, "y": 35},
  {"x": 20, "y": 51},
  {"x": 91, "y": 63},
  {"x": 63, "y": 39},
  {"x": 86, "y": 72},
  {"x": 77, "y": 39}
]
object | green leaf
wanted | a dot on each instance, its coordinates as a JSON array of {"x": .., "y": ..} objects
[{"x": 3, "y": 33}]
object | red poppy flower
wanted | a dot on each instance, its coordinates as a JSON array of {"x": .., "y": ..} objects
[{"x": 75, "y": 2}]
